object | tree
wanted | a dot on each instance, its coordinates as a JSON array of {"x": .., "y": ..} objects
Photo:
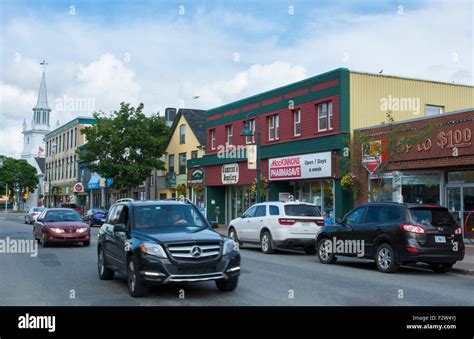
[
  {"x": 20, "y": 177},
  {"x": 125, "y": 145},
  {"x": 389, "y": 145}
]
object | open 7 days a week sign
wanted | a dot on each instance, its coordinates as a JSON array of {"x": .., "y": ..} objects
[{"x": 315, "y": 165}]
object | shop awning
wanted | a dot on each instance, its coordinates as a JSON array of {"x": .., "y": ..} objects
[{"x": 94, "y": 182}]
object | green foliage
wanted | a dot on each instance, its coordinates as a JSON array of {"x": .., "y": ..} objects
[
  {"x": 18, "y": 175},
  {"x": 125, "y": 145}
]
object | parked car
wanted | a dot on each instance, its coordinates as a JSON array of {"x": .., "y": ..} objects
[
  {"x": 95, "y": 216},
  {"x": 32, "y": 214},
  {"x": 159, "y": 242},
  {"x": 73, "y": 206},
  {"x": 278, "y": 224},
  {"x": 393, "y": 234},
  {"x": 61, "y": 225}
]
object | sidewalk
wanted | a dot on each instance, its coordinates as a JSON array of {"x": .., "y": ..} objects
[{"x": 461, "y": 267}]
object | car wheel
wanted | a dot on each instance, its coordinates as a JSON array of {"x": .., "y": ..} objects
[
  {"x": 233, "y": 235},
  {"x": 227, "y": 285},
  {"x": 266, "y": 243},
  {"x": 43, "y": 240},
  {"x": 385, "y": 259},
  {"x": 310, "y": 250},
  {"x": 136, "y": 288},
  {"x": 86, "y": 243},
  {"x": 441, "y": 267},
  {"x": 105, "y": 273},
  {"x": 325, "y": 254}
]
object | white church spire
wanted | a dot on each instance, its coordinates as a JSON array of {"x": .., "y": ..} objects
[{"x": 41, "y": 111}]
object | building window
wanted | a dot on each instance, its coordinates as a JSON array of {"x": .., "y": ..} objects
[
  {"x": 325, "y": 116},
  {"x": 251, "y": 139},
  {"x": 182, "y": 134},
  {"x": 433, "y": 110},
  {"x": 194, "y": 154},
  {"x": 213, "y": 139},
  {"x": 297, "y": 123},
  {"x": 273, "y": 127},
  {"x": 229, "y": 134},
  {"x": 152, "y": 180},
  {"x": 171, "y": 163},
  {"x": 74, "y": 167},
  {"x": 182, "y": 163}
]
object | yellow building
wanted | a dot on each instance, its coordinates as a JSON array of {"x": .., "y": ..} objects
[
  {"x": 187, "y": 141},
  {"x": 372, "y": 95}
]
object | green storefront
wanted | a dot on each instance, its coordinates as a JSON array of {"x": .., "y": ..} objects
[{"x": 304, "y": 131}]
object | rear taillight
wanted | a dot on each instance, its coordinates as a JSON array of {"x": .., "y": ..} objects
[
  {"x": 413, "y": 229},
  {"x": 287, "y": 222},
  {"x": 458, "y": 230},
  {"x": 319, "y": 222},
  {"x": 413, "y": 249}
]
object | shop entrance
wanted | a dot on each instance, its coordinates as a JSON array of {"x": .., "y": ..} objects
[
  {"x": 460, "y": 202},
  {"x": 238, "y": 200}
]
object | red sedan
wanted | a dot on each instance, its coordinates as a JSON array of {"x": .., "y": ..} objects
[{"x": 61, "y": 225}]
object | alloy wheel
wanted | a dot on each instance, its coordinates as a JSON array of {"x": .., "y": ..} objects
[
  {"x": 323, "y": 250},
  {"x": 384, "y": 258},
  {"x": 132, "y": 279}
]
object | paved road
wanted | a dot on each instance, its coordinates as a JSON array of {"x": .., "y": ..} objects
[{"x": 67, "y": 275}]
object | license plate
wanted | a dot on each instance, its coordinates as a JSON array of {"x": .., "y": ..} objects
[
  {"x": 440, "y": 239},
  {"x": 306, "y": 224},
  {"x": 102, "y": 219}
]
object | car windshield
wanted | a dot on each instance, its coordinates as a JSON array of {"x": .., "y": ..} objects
[
  {"x": 37, "y": 209},
  {"x": 302, "y": 210},
  {"x": 99, "y": 211},
  {"x": 168, "y": 216},
  {"x": 69, "y": 205},
  {"x": 54, "y": 216},
  {"x": 439, "y": 217}
]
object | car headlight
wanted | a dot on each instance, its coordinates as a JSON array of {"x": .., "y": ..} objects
[
  {"x": 229, "y": 246},
  {"x": 81, "y": 230},
  {"x": 56, "y": 230},
  {"x": 153, "y": 249}
]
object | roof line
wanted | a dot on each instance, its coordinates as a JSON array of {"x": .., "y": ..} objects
[
  {"x": 410, "y": 78},
  {"x": 416, "y": 119}
]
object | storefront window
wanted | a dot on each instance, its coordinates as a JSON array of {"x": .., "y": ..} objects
[
  {"x": 381, "y": 190},
  {"x": 318, "y": 192},
  {"x": 421, "y": 189},
  {"x": 465, "y": 177}
]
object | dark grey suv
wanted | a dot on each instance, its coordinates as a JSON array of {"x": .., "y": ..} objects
[
  {"x": 159, "y": 242},
  {"x": 393, "y": 234}
]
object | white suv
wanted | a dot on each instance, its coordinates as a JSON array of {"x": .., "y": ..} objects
[{"x": 278, "y": 224}]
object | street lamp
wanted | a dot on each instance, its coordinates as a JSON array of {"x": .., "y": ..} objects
[
  {"x": 6, "y": 188},
  {"x": 247, "y": 132}
]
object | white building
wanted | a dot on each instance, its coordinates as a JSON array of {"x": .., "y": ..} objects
[{"x": 33, "y": 143}]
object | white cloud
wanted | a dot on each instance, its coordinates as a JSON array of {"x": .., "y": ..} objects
[
  {"x": 11, "y": 141},
  {"x": 176, "y": 58}
]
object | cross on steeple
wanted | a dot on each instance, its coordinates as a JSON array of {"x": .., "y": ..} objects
[{"x": 43, "y": 64}]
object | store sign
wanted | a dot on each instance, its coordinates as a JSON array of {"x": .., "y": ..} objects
[
  {"x": 197, "y": 177},
  {"x": 170, "y": 179},
  {"x": 373, "y": 154},
  {"x": 230, "y": 174},
  {"x": 315, "y": 165},
  {"x": 78, "y": 188},
  {"x": 252, "y": 156}
]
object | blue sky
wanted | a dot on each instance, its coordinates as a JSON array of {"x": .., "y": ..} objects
[{"x": 147, "y": 51}]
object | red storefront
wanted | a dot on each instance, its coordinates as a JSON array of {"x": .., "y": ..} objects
[{"x": 439, "y": 169}]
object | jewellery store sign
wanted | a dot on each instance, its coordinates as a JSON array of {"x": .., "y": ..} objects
[{"x": 314, "y": 165}]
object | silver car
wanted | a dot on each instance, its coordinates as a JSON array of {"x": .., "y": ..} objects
[{"x": 32, "y": 214}]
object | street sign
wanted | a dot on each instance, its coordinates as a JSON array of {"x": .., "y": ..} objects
[
  {"x": 197, "y": 176},
  {"x": 373, "y": 154},
  {"x": 252, "y": 156}
]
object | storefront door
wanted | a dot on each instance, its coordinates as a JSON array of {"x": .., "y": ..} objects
[{"x": 460, "y": 202}]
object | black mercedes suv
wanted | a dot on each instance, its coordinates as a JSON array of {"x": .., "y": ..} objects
[
  {"x": 158, "y": 242},
  {"x": 393, "y": 234}
]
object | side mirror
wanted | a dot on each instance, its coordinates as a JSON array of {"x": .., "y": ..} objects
[
  {"x": 339, "y": 220},
  {"x": 120, "y": 228},
  {"x": 214, "y": 224},
  {"x": 242, "y": 215},
  {"x": 39, "y": 220}
]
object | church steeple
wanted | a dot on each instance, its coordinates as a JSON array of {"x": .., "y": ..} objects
[{"x": 41, "y": 110}]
